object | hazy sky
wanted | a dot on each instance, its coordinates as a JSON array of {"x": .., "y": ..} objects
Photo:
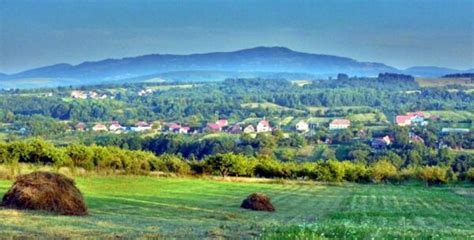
[{"x": 398, "y": 33}]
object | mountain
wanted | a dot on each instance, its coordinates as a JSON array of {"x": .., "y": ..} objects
[
  {"x": 259, "y": 59},
  {"x": 430, "y": 71},
  {"x": 265, "y": 62}
]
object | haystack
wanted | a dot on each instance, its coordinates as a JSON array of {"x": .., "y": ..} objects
[
  {"x": 258, "y": 202},
  {"x": 46, "y": 191}
]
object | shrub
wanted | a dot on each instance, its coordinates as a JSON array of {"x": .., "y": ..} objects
[
  {"x": 81, "y": 155},
  {"x": 229, "y": 164},
  {"x": 383, "y": 170},
  {"x": 470, "y": 174},
  {"x": 172, "y": 163},
  {"x": 434, "y": 175},
  {"x": 355, "y": 172}
]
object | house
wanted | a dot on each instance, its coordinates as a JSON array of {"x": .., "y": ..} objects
[
  {"x": 145, "y": 92},
  {"x": 80, "y": 127},
  {"x": 380, "y": 143},
  {"x": 403, "y": 120},
  {"x": 78, "y": 94},
  {"x": 337, "y": 124},
  {"x": 418, "y": 120},
  {"x": 141, "y": 126},
  {"x": 116, "y": 127},
  {"x": 222, "y": 122},
  {"x": 213, "y": 127},
  {"x": 302, "y": 126},
  {"x": 263, "y": 126},
  {"x": 249, "y": 129},
  {"x": 236, "y": 129},
  {"x": 184, "y": 130},
  {"x": 411, "y": 118},
  {"x": 99, "y": 127},
  {"x": 174, "y": 127}
]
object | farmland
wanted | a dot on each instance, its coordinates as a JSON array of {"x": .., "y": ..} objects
[{"x": 133, "y": 206}]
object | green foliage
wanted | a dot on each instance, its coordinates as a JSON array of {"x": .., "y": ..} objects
[
  {"x": 383, "y": 170},
  {"x": 434, "y": 175}
]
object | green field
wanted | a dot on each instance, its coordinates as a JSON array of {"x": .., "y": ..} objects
[
  {"x": 268, "y": 105},
  {"x": 183, "y": 208},
  {"x": 442, "y": 82},
  {"x": 453, "y": 116}
]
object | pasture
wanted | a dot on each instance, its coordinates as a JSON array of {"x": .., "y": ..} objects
[
  {"x": 183, "y": 208},
  {"x": 442, "y": 82}
]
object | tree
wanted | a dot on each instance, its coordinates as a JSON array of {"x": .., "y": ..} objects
[
  {"x": 434, "y": 175},
  {"x": 229, "y": 164},
  {"x": 383, "y": 170}
]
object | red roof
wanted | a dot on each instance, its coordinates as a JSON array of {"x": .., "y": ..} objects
[
  {"x": 403, "y": 119},
  {"x": 174, "y": 126},
  {"x": 265, "y": 122},
  {"x": 142, "y": 124},
  {"x": 222, "y": 122},
  {"x": 213, "y": 126},
  {"x": 341, "y": 122}
]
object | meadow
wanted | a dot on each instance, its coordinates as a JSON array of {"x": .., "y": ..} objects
[{"x": 195, "y": 208}]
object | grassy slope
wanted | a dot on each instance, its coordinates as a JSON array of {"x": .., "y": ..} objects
[{"x": 183, "y": 208}]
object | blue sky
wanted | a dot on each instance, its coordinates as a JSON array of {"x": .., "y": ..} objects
[{"x": 396, "y": 32}]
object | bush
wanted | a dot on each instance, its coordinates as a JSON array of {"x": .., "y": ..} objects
[
  {"x": 229, "y": 164},
  {"x": 172, "y": 163},
  {"x": 355, "y": 172},
  {"x": 330, "y": 171},
  {"x": 383, "y": 170},
  {"x": 434, "y": 175},
  {"x": 470, "y": 175}
]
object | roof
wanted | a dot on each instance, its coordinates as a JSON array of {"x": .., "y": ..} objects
[
  {"x": 100, "y": 125},
  {"x": 222, "y": 122},
  {"x": 341, "y": 122},
  {"x": 401, "y": 119},
  {"x": 116, "y": 124},
  {"x": 213, "y": 126},
  {"x": 142, "y": 124},
  {"x": 174, "y": 126},
  {"x": 264, "y": 122}
]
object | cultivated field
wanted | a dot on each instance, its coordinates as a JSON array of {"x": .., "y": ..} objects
[
  {"x": 442, "y": 82},
  {"x": 127, "y": 206}
]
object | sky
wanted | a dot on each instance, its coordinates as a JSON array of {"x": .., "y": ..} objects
[{"x": 400, "y": 33}]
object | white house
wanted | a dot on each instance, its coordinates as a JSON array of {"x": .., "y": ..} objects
[
  {"x": 302, "y": 126},
  {"x": 249, "y": 129},
  {"x": 116, "y": 127},
  {"x": 99, "y": 127},
  {"x": 141, "y": 126},
  {"x": 264, "y": 126},
  {"x": 339, "y": 124}
]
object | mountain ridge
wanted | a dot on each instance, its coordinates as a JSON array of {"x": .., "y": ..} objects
[{"x": 255, "y": 60}]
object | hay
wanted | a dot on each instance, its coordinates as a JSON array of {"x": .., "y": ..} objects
[
  {"x": 258, "y": 202},
  {"x": 46, "y": 191}
]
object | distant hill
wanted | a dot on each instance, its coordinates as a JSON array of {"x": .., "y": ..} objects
[
  {"x": 430, "y": 71},
  {"x": 264, "y": 62}
]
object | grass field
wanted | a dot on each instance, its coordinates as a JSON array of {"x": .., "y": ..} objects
[
  {"x": 268, "y": 105},
  {"x": 183, "y": 208},
  {"x": 442, "y": 82},
  {"x": 453, "y": 116}
]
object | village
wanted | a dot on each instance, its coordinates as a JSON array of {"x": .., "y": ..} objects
[{"x": 408, "y": 120}]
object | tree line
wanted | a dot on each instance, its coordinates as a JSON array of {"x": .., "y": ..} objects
[{"x": 121, "y": 161}]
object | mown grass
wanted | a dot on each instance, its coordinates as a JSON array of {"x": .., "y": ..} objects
[{"x": 184, "y": 208}]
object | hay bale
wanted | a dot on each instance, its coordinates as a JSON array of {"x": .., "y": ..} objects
[
  {"x": 258, "y": 202},
  {"x": 46, "y": 191}
]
